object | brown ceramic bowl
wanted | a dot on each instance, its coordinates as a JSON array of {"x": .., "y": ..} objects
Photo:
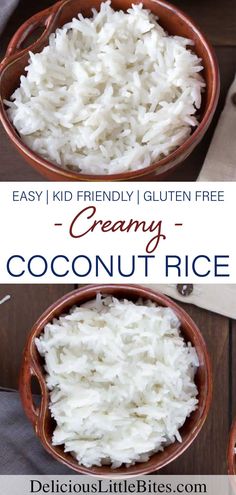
[
  {"x": 44, "y": 425},
  {"x": 231, "y": 451},
  {"x": 170, "y": 17}
]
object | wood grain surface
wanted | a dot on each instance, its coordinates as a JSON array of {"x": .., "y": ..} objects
[
  {"x": 207, "y": 455},
  {"x": 217, "y": 22},
  {"x": 17, "y": 315},
  {"x": 233, "y": 370}
]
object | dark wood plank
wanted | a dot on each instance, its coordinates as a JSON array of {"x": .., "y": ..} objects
[
  {"x": 16, "y": 319},
  {"x": 207, "y": 455},
  {"x": 233, "y": 371},
  {"x": 27, "y": 303},
  {"x": 216, "y": 19},
  {"x": 219, "y": 24},
  {"x": 12, "y": 165}
]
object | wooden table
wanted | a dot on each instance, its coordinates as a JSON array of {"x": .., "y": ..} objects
[
  {"x": 217, "y": 19},
  {"x": 208, "y": 453}
]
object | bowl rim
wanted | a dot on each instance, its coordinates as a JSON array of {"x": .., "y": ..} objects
[
  {"x": 175, "y": 157},
  {"x": 230, "y": 452},
  {"x": 68, "y": 300}
]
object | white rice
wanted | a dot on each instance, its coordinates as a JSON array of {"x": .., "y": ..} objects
[
  {"x": 121, "y": 380},
  {"x": 5, "y": 299},
  {"x": 110, "y": 93}
]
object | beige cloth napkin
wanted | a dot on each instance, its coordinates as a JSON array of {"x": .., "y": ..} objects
[
  {"x": 220, "y": 162},
  {"x": 220, "y": 298}
]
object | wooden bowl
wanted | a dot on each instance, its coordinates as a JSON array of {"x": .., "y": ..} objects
[
  {"x": 231, "y": 451},
  {"x": 44, "y": 425},
  {"x": 170, "y": 17}
]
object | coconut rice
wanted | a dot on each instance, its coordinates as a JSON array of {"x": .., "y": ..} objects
[
  {"x": 109, "y": 94},
  {"x": 121, "y": 380},
  {"x": 5, "y": 299}
]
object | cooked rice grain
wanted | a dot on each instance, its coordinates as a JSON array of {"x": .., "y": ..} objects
[
  {"x": 121, "y": 379},
  {"x": 110, "y": 94}
]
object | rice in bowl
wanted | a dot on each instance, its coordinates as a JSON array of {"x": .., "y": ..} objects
[
  {"x": 109, "y": 94},
  {"x": 121, "y": 380}
]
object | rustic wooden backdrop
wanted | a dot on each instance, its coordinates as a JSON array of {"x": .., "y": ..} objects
[
  {"x": 218, "y": 21},
  {"x": 208, "y": 453}
]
